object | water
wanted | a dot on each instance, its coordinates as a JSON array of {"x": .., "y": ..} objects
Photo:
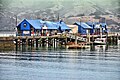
[{"x": 103, "y": 63}]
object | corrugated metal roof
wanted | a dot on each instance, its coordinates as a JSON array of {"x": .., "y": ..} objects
[
  {"x": 35, "y": 23},
  {"x": 51, "y": 25},
  {"x": 103, "y": 24},
  {"x": 97, "y": 26},
  {"x": 89, "y": 23},
  {"x": 63, "y": 26},
  {"x": 38, "y": 24},
  {"x": 84, "y": 25}
]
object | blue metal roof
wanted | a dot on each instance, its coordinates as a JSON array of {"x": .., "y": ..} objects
[
  {"x": 84, "y": 25},
  {"x": 51, "y": 25},
  {"x": 35, "y": 23},
  {"x": 97, "y": 26},
  {"x": 38, "y": 24},
  {"x": 89, "y": 23},
  {"x": 103, "y": 24},
  {"x": 63, "y": 26}
]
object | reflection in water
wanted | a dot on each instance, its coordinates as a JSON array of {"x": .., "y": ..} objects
[
  {"x": 102, "y": 63},
  {"x": 101, "y": 47}
]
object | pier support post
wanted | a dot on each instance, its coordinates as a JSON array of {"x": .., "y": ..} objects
[
  {"x": 107, "y": 38},
  {"x": 47, "y": 42},
  {"x": 19, "y": 42},
  {"x": 75, "y": 39},
  {"x": 16, "y": 40},
  {"x": 40, "y": 42},
  {"x": 31, "y": 42},
  {"x": 43, "y": 43},
  {"x": 113, "y": 40},
  {"x": 22, "y": 45},
  {"x": 65, "y": 42},
  {"x": 53, "y": 40},
  {"x": 117, "y": 39},
  {"x": 36, "y": 43},
  {"x": 89, "y": 37},
  {"x": 55, "y": 43},
  {"x": 26, "y": 41}
]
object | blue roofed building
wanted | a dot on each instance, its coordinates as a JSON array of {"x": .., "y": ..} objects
[
  {"x": 40, "y": 27},
  {"x": 83, "y": 28},
  {"x": 49, "y": 28},
  {"x": 28, "y": 27},
  {"x": 99, "y": 28},
  {"x": 91, "y": 24},
  {"x": 96, "y": 27}
]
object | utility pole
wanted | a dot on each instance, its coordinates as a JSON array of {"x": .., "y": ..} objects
[
  {"x": 58, "y": 17},
  {"x": 16, "y": 20}
]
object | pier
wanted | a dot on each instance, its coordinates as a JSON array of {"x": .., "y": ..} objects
[{"x": 55, "y": 41}]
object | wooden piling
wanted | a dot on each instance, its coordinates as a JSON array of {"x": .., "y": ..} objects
[
  {"x": 16, "y": 41},
  {"x": 36, "y": 43}
]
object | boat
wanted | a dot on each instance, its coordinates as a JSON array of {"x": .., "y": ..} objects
[{"x": 100, "y": 41}]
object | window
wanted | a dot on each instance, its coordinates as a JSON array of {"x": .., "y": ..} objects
[{"x": 25, "y": 24}]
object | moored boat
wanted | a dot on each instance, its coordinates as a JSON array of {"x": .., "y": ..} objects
[{"x": 100, "y": 41}]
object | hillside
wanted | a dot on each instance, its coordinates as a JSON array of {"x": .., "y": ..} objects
[{"x": 49, "y": 10}]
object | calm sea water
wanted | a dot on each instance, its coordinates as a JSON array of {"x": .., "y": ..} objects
[{"x": 103, "y": 63}]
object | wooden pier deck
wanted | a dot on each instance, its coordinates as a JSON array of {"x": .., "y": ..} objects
[{"x": 57, "y": 40}]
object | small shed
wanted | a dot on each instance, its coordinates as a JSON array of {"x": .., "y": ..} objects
[
  {"x": 83, "y": 28},
  {"x": 74, "y": 28}
]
